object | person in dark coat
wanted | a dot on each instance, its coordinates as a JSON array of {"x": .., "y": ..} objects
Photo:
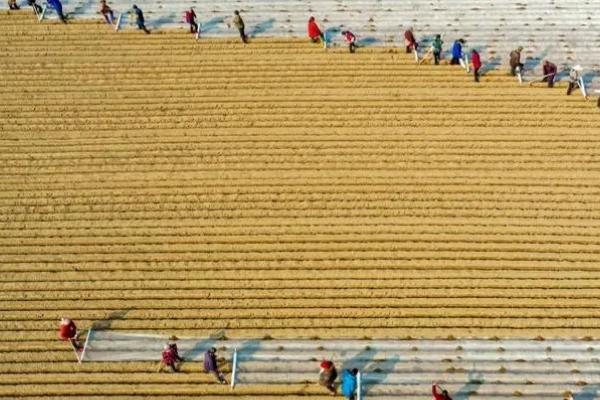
[
  {"x": 12, "y": 5},
  {"x": 476, "y": 60},
  {"x": 327, "y": 376},
  {"x": 411, "y": 42},
  {"x": 211, "y": 366},
  {"x": 457, "y": 53},
  {"x": 139, "y": 15},
  {"x": 515, "y": 61},
  {"x": 549, "y": 73}
]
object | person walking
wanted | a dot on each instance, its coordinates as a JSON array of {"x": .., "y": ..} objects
[
  {"x": 238, "y": 22},
  {"x": 190, "y": 18},
  {"x": 139, "y": 19},
  {"x": 515, "y": 61},
  {"x": 327, "y": 376},
  {"x": 349, "y": 383},
  {"x": 439, "y": 393},
  {"x": 549, "y": 73},
  {"x": 57, "y": 5},
  {"x": 314, "y": 32},
  {"x": 68, "y": 332},
  {"x": 411, "y": 42},
  {"x": 457, "y": 53},
  {"x": 437, "y": 48},
  {"x": 12, "y": 5},
  {"x": 351, "y": 40},
  {"x": 211, "y": 366},
  {"x": 107, "y": 12},
  {"x": 476, "y": 60}
]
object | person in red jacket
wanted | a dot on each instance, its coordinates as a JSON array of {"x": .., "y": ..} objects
[
  {"x": 439, "y": 393},
  {"x": 411, "y": 42},
  {"x": 476, "y": 60},
  {"x": 68, "y": 332},
  {"x": 170, "y": 355},
  {"x": 549, "y": 73},
  {"x": 314, "y": 32},
  {"x": 190, "y": 18},
  {"x": 351, "y": 39}
]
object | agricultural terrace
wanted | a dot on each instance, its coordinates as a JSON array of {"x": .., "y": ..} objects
[{"x": 151, "y": 183}]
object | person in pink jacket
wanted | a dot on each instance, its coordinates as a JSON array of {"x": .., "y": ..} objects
[{"x": 476, "y": 61}]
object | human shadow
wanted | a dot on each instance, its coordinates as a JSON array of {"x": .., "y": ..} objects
[
  {"x": 588, "y": 77},
  {"x": 366, "y": 41},
  {"x": 474, "y": 381},
  {"x": 377, "y": 372},
  {"x": 492, "y": 64},
  {"x": 212, "y": 24},
  {"x": 245, "y": 354},
  {"x": 262, "y": 27},
  {"x": 166, "y": 19},
  {"x": 374, "y": 371},
  {"x": 199, "y": 348},
  {"x": 589, "y": 392},
  {"x": 106, "y": 323}
]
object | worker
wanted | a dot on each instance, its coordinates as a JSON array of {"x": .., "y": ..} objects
[
  {"x": 349, "y": 383},
  {"x": 139, "y": 15},
  {"x": 170, "y": 355},
  {"x": 437, "y": 48},
  {"x": 351, "y": 39},
  {"x": 549, "y": 73},
  {"x": 314, "y": 32},
  {"x": 68, "y": 332},
  {"x": 211, "y": 366},
  {"x": 57, "y": 5},
  {"x": 574, "y": 78},
  {"x": 327, "y": 376},
  {"x": 439, "y": 393},
  {"x": 411, "y": 42},
  {"x": 457, "y": 53},
  {"x": 107, "y": 12},
  {"x": 190, "y": 18},
  {"x": 476, "y": 61},
  {"x": 12, "y": 5},
  {"x": 238, "y": 22},
  {"x": 515, "y": 61}
]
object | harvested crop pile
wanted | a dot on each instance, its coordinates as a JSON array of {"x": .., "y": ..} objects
[{"x": 155, "y": 183}]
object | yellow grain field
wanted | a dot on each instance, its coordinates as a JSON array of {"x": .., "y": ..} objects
[{"x": 155, "y": 183}]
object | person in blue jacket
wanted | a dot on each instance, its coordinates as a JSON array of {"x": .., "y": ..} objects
[
  {"x": 57, "y": 5},
  {"x": 457, "y": 53},
  {"x": 139, "y": 18},
  {"x": 349, "y": 383}
]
